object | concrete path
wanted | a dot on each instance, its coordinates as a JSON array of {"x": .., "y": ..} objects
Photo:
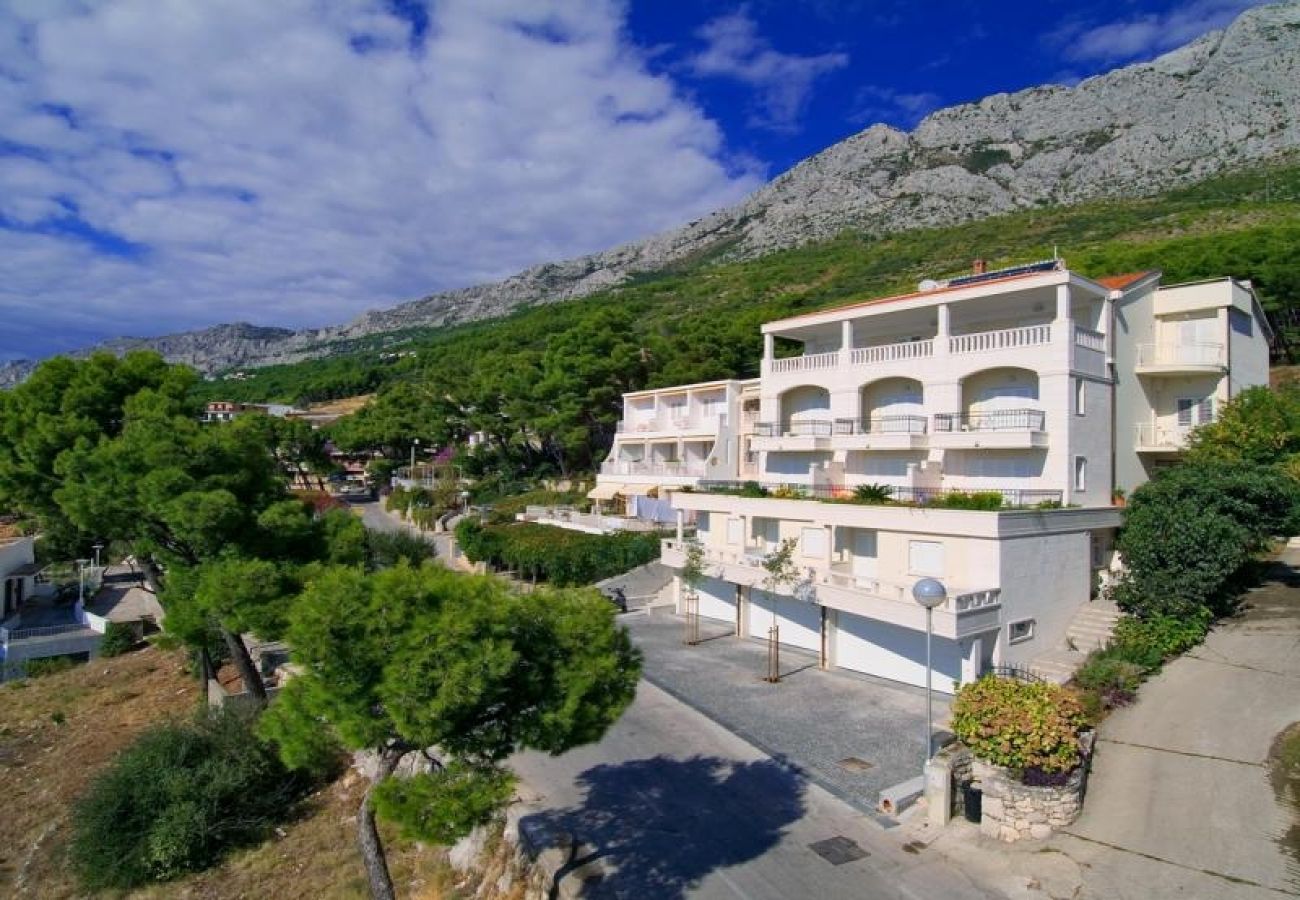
[
  {"x": 676, "y": 806},
  {"x": 376, "y": 518},
  {"x": 1180, "y": 803}
]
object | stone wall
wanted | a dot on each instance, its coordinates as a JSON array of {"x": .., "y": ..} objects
[{"x": 1012, "y": 811}]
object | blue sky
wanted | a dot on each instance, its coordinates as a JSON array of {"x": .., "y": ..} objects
[{"x": 167, "y": 164}]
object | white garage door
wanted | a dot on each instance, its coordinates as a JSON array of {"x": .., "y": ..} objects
[
  {"x": 717, "y": 600},
  {"x": 800, "y": 623},
  {"x": 888, "y": 651}
]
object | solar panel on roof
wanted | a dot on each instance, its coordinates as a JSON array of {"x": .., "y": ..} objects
[{"x": 1047, "y": 265}]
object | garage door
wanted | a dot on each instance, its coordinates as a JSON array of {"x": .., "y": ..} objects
[
  {"x": 717, "y": 600},
  {"x": 800, "y": 623},
  {"x": 888, "y": 651}
]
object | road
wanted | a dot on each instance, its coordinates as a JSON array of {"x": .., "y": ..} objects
[
  {"x": 676, "y": 806},
  {"x": 375, "y": 517}
]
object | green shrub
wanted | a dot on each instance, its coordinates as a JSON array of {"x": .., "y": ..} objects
[
  {"x": 438, "y": 807},
  {"x": 119, "y": 638},
  {"x": 788, "y": 492},
  {"x": 50, "y": 665},
  {"x": 177, "y": 799},
  {"x": 1149, "y": 642},
  {"x": 753, "y": 489},
  {"x": 563, "y": 558},
  {"x": 872, "y": 493},
  {"x": 1113, "y": 679},
  {"x": 978, "y": 500},
  {"x": 387, "y": 548},
  {"x": 1019, "y": 725}
]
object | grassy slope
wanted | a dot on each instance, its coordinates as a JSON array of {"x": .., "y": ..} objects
[
  {"x": 1245, "y": 225},
  {"x": 45, "y": 764}
]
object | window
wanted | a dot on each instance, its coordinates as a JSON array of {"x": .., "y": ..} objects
[
  {"x": 812, "y": 542},
  {"x": 1240, "y": 322},
  {"x": 1080, "y": 473},
  {"x": 735, "y": 531},
  {"x": 925, "y": 558},
  {"x": 1020, "y": 631},
  {"x": 1195, "y": 411},
  {"x": 702, "y": 523},
  {"x": 1080, "y": 397}
]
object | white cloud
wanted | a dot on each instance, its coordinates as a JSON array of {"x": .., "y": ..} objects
[
  {"x": 167, "y": 164},
  {"x": 875, "y": 103},
  {"x": 783, "y": 81},
  {"x": 1146, "y": 35}
]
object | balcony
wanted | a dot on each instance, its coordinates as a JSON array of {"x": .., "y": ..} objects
[
  {"x": 805, "y": 435},
  {"x": 1180, "y": 358},
  {"x": 883, "y": 353},
  {"x": 1002, "y": 429},
  {"x": 899, "y": 495},
  {"x": 1161, "y": 438},
  {"x": 1089, "y": 352},
  {"x": 901, "y": 432},
  {"x": 672, "y": 425},
  {"x": 964, "y": 611},
  {"x": 811, "y": 362},
  {"x": 671, "y": 469},
  {"x": 1002, "y": 339}
]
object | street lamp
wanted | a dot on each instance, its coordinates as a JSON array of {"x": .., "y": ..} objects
[
  {"x": 97, "y": 547},
  {"x": 415, "y": 443},
  {"x": 929, "y": 593},
  {"x": 81, "y": 582}
]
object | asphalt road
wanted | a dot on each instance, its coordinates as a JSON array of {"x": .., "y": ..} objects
[{"x": 675, "y": 806}]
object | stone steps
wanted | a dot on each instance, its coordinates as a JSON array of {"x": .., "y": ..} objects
[{"x": 1091, "y": 628}]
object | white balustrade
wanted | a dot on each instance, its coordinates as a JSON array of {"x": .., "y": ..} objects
[
  {"x": 811, "y": 362},
  {"x": 1092, "y": 340},
  {"x": 1195, "y": 353},
  {"x": 889, "y": 352},
  {"x": 1002, "y": 339}
]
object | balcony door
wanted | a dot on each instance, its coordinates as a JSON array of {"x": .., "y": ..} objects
[{"x": 865, "y": 556}]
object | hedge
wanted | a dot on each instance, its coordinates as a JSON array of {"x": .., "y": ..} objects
[{"x": 546, "y": 553}]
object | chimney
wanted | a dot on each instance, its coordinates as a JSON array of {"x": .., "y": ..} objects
[{"x": 979, "y": 267}]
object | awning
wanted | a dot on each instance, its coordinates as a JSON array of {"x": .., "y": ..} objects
[
  {"x": 644, "y": 490},
  {"x": 606, "y": 491}
]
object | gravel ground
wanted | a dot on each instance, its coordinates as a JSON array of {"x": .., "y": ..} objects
[{"x": 812, "y": 719}]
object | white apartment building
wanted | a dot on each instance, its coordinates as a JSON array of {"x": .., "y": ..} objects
[{"x": 1036, "y": 384}]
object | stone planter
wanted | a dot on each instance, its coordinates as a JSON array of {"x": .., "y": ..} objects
[{"x": 1013, "y": 811}]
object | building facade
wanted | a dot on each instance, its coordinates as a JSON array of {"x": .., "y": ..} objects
[{"x": 977, "y": 431}]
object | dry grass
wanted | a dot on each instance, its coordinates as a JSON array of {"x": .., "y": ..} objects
[
  {"x": 341, "y": 407},
  {"x": 57, "y": 732}
]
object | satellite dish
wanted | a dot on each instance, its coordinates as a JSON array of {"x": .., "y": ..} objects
[{"x": 928, "y": 285}]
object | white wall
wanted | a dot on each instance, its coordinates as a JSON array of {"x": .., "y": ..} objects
[{"x": 1045, "y": 578}]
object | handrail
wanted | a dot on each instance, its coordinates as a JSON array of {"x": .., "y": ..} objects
[
  {"x": 805, "y": 428},
  {"x": 993, "y": 420},
  {"x": 1092, "y": 340},
  {"x": 861, "y": 356},
  {"x": 18, "y": 634},
  {"x": 809, "y": 362},
  {"x": 1002, "y": 339},
  {"x": 882, "y": 425},
  {"x": 1191, "y": 353}
]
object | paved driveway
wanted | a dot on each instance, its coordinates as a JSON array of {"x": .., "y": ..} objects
[
  {"x": 672, "y": 805},
  {"x": 853, "y": 735}
]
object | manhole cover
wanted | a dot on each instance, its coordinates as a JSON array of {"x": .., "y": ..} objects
[
  {"x": 838, "y": 850},
  {"x": 854, "y": 764}
]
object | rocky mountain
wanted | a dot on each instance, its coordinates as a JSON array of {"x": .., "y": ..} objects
[{"x": 1225, "y": 101}]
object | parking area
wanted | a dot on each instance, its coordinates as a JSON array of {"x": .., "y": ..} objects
[{"x": 852, "y": 734}]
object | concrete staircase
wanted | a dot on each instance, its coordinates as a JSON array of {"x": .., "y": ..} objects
[{"x": 1090, "y": 628}]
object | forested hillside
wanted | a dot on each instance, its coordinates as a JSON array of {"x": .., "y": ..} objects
[{"x": 553, "y": 374}]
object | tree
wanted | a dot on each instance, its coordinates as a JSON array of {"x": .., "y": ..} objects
[
  {"x": 1260, "y": 426},
  {"x": 458, "y": 667}
]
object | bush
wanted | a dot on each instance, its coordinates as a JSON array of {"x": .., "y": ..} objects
[
  {"x": 387, "y": 548},
  {"x": 1149, "y": 642},
  {"x": 119, "y": 638},
  {"x": 1019, "y": 725},
  {"x": 788, "y": 492},
  {"x": 563, "y": 558},
  {"x": 1112, "y": 679},
  {"x": 872, "y": 493},
  {"x": 50, "y": 665},
  {"x": 978, "y": 500},
  {"x": 177, "y": 799}
]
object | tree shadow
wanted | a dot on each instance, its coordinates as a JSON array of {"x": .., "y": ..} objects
[{"x": 655, "y": 827}]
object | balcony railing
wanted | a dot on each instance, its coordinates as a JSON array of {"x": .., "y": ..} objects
[
  {"x": 917, "y": 496},
  {"x": 671, "y": 423},
  {"x": 889, "y": 352},
  {"x": 994, "y": 420},
  {"x": 640, "y": 467},
  {"x": 1180, "y": 354},
  {"x": 807, "y": 428},
  {"x": 810, "y": 362},
  {"x": 882, "y": 425},
  {"x": 18, "y": 634},
  {"x": 1092, "y": 340},
  {"x": 1002, "y": 339}
]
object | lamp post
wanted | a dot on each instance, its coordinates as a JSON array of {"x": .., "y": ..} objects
[
  {"x": 411, "y": 474},
  {"x": 97, "y": 547},
  {"x": 929, "y": 593},
  {"x": 81, "y": 583}
]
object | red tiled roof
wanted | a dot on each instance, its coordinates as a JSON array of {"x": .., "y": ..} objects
[{"x": 1119, "y": 282}]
